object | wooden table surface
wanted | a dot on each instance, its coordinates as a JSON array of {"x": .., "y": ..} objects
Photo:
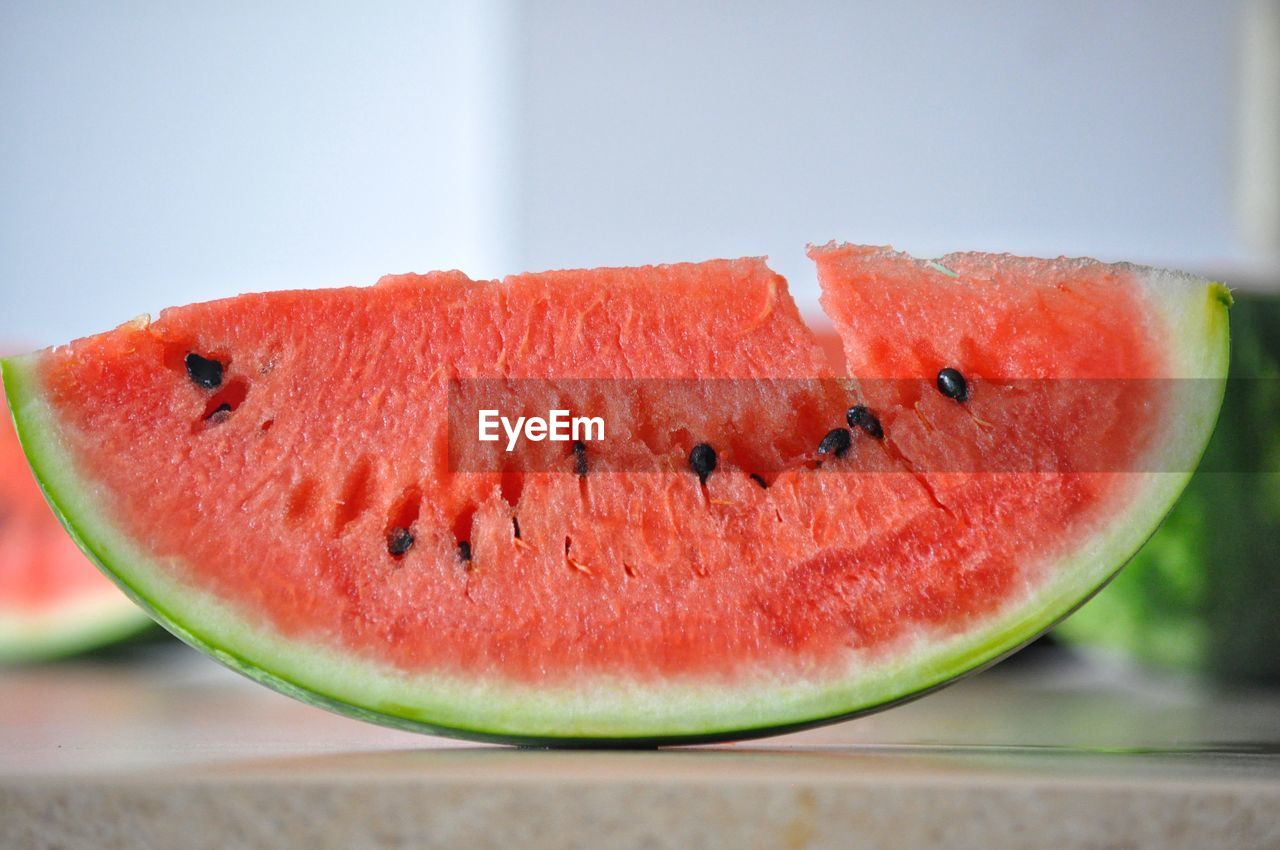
[{"x": 158, "y": 747}]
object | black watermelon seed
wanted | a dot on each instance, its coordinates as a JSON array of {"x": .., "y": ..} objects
[
  {"x": 464, "y": 550},
  {"x": 579, "y": 457},
  {"x": 217, "y": 414},
  {"x": 204, "y": 373},
  {"x": 399, "y": 541},
  {"x": 861, "y": 417},
  {"x": 759, "y": 479},
  {"x": 837, "y": 442},
  {"x": 953, "y": 385},
  {"x": 702, "y": 460}
]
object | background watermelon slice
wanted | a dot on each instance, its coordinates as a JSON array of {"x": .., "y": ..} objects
[
  {"x": 1203, "y": 594},
  {"x": 52, "y": 600},
  {"x": 252, "y": 497}
]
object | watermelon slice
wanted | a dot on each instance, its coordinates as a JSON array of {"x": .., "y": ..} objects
[
  {"x": 273, "y": 477},
  {"x": 52, "y": 600}
]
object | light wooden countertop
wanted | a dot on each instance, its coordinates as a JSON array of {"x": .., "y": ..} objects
[{"x": 158, "y": 747}]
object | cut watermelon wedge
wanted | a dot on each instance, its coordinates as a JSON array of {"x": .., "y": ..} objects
[
  {"x": 52, "y": 600},
  {"x": 274, "y": 477}
]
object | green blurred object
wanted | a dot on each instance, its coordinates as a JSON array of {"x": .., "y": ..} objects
[{"x": 1204, "y": 593}]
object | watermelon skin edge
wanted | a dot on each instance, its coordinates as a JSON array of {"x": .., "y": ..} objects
[
  {"x": 69, "y": 631},
  {"x": 621, "y": 713}
]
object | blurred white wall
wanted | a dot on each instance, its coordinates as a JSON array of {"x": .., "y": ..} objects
[
  {"x": 155, "y": 153},
  {"x": 670, "y": 130}
]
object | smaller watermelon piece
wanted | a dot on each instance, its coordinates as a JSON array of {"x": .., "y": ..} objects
[
  {"x": 272, "y": 476},
  {"x": 53, "y": 601}
]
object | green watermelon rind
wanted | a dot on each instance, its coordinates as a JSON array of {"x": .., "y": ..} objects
[
  {"x": 71, "y": 629},
  {"x": 616, "y": 711}
]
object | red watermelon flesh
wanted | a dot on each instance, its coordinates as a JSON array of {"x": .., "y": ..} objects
[
  {"x": 52, "y": 599},
  {"x": 255, "y": 516}
]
